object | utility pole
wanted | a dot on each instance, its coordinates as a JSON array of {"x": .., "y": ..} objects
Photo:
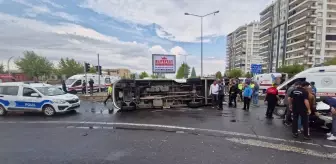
[
  {"x": 99, "y": 73},
  {"x": 8, "y": 65}
]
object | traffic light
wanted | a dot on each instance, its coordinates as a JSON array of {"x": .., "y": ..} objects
[
  {"x": 87, "y": 67},
  {"x": 99, "y": 70}
]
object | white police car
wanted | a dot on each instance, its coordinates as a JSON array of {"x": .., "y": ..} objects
[{"x": 35, "y": 97}]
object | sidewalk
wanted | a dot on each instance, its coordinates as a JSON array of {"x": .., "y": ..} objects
[{"x": 96, "y": 97}]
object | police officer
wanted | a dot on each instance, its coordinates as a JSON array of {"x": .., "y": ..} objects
[
  {"x": 220, "y": 94},
  {"x": 299, "y": 105},
  {"x": 109, "y": 94}
]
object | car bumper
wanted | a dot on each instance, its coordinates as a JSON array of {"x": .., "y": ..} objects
[{"x": 66, "y": 107}]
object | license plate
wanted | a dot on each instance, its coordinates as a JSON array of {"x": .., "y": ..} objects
[{"x": 77, "y": 104}]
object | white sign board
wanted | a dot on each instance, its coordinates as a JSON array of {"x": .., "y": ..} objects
[{"x": 163, "y": 63}]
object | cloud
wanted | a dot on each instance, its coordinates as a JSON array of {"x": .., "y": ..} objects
[
  {"x": 52, "y": 4},
  {"x": 169, "y": 16},
  {"x": 83, "y": 44}
]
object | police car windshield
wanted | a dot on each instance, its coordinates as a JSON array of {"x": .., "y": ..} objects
[
  {"x": 50, "y": 91},
  {"x": 69, "y": 81}
]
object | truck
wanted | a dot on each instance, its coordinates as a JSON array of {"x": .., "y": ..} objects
[{"x": 161, "y": 93}]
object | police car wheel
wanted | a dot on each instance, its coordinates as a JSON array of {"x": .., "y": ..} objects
[
  {"x": 3, "y": 111},
  {"x": 48, "y": 110}
]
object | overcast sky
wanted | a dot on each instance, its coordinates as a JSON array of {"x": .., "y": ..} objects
[{"x": 124, "y": 32}]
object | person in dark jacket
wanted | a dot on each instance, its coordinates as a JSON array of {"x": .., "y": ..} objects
[
  {"x": 84, "y": 87},
  {"x": 233, "y": 91},
  {"x": 91, "y": 82},
  {"x": 64, "y": 86},
  {"x": 220, "y": 94},
  {"x": 271, "y": 100},
  {"x": 332, "y": 103}
]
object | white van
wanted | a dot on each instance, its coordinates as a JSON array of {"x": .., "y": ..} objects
[
  {"x": 324, "y": 78},
  {"x": 266, "y": 80},
  {"x": 74, "y": 83},
  {"x": 35, "y": 97}
]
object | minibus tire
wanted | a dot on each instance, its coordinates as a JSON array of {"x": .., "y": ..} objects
[{"x": 3, "y": 111}]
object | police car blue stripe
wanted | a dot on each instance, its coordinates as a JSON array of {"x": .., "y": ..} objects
[
  {"x": 4, "y": 102},
  {"x": 25, "y": 104}
]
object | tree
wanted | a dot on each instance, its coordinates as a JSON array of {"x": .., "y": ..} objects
[
  {"x": 69, "y": 67},
  {"x": 248, "y": 75},
  {"x": 34, "y": 65},
  {"x": 291, "y": 70},
  {"x": 132, "y": 76},
  {"x": 183, "y": 71},
  {"x": 235, "y": 73},
  {"x": 219, "y": 75},
  {"x": 193, "y": 73},
  {"x": 143, "y": 75},
  {"x": 332, "y": 61},
  {"x": 153, "y": 76},
  {"x": 2, "y": 68}
]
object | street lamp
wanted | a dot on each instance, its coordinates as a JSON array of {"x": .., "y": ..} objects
[
  {"x": 201, "y": 16},
  {"x": 8, "y": 65}
]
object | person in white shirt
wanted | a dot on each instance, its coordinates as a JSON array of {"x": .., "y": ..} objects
[{"x": 214, "y": 93}]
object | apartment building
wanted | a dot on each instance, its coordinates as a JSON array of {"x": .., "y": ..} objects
[
  {"x": 297, "y": 32},
  {"x": 242, "y": 47},
  {"x": 273, "y": 26}
]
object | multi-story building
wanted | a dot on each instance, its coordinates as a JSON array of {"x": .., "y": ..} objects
[
  {"x": 121, "y": 72},
  {"x": 273, "y": 25},
  {"x": 243, "y": 47},
  {"x": 297, "y": 32}
]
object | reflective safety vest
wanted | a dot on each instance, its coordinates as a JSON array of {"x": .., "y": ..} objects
[
  {"x": 252, "y": 86},
  {"x": 109, "y": 90},
  {"x": 240, "y": 86}
]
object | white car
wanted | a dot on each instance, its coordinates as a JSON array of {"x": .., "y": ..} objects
[{"x": 35, "y": 97}]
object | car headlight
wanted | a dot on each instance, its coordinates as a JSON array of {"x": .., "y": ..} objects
[{"x": 58, "y": 101}]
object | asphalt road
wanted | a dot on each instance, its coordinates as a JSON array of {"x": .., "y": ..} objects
[{"x": 205, "y": 135}]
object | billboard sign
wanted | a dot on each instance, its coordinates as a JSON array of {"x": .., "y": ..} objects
[{"x": 163, "y": 63}]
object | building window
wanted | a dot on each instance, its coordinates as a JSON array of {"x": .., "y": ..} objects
[{"x": 330, "y": 37}]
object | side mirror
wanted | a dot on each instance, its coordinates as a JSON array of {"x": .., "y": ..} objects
[{"x": 34, "y": 95}]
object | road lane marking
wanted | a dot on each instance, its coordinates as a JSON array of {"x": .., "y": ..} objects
[
  {"x": 282, "y": 147},
  {"x": 170, "y": 127}
]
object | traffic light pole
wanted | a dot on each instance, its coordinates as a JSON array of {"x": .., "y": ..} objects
[
  {"x": 99, "y": 73},
  {"x": 86, "y": 88}
]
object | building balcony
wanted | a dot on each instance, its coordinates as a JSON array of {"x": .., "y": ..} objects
[
  {"x": 298, "y": 42},
  {"x": 267, "y": 25},
  {"x": 300, "y": 49},
  {"x": 265, "y": 20},
  {"x": 303, "y": 20},
  {"x": 300, "y": 12},
  {"x": 296, "y": 35},
  {"x": 299, "y": 4}
]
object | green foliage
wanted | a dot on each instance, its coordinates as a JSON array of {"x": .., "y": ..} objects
[
  {"x": 143, "y": 75},
  {"x": 2, "y": 68},
  {"x": 291, "y": 70},
  {"x": 34, "y": 65},
  {"x": 332, "y": 61},
  {"x": 183, "y": 71},
  {"x": 153, "y": 76},
  {"x": 132, "y": 76},
  {"x": 69, "y": 67},
  {"x": 235, "y": 73},
  {"x": 248, "y": 75},
  {"x": 193, "y": 73},
  {"x": 219, "y": 75},
  {"x": 92, "y": 69}
]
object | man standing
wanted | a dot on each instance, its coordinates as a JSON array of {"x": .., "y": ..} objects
[
  {"x": 288, "y": 113},
  {"x": 214, "y": 93},
  {"x": 247, "y": 93},
  {"x": 109, "y": 94},
  {"x": 271, "y": 100},
  {"x": 220, "y": 94},
  {"x": 84, "y": 87},
  {"x": 332, "y": 103},
  {"x": 299, "y": 104},
  {"x": 255, "y": 95},
  {"x": 240, "y": 87},
  {"x": 91, "y": 82},
  {"x": 233, "y": 91}
]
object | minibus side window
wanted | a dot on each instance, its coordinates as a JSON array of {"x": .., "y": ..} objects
[{"x": 292, "y": 82}]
